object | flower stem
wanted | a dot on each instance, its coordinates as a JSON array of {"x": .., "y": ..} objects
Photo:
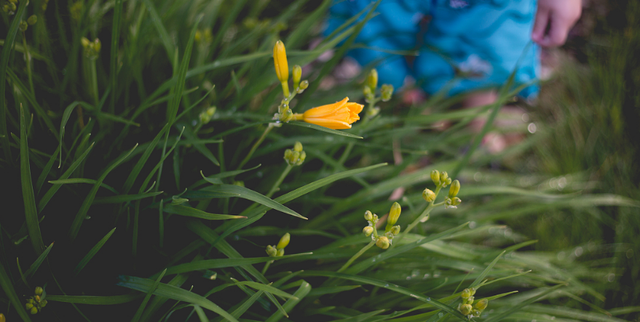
[
  {"x": 266, "y": 267},
  {"x": 276, "y": 185},
  {"x": 28, "y": 61},
  {"x": 354, "y": 257},
  {"x": 420, "y": 218},
  {"x": 255, "y": 145}
]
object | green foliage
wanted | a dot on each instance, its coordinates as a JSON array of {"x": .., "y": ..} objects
[{"x": 160, "y": 214}]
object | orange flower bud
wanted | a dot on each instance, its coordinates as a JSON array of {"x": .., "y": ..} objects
[{"x": 337, "y": 116}]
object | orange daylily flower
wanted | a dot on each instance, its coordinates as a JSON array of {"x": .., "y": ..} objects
[{"x": 337, "y": 116}]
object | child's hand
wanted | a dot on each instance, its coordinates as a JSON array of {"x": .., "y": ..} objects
[{"x": 553, "y": 21}]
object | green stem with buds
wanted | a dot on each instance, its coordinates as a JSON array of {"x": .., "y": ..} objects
[
  {"x": 354, "y": 257},
  {"x": 255, "y": 145}
]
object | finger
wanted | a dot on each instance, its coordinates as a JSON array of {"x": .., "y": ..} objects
[
  {"x": 540, "y": 25},
  {"x": 557, "y": 35}
]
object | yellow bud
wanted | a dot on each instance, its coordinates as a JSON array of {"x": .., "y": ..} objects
[
  {"x": 198, "y": 36},
  {"x": 28, "y": 306},
  {"x": 454, "y": 189},
  {"x": 395, "y": 230},
  {"x": 97, "y": 45},
  {"x": 444, "y": 176},
  {"x": 455, "y": 201},
  {"x": 386, "y": 91},
  {"x": 280, "y": 252},
  {"x": 367, "y": 231},
  {"x": 297, "y": 147},
  {"x": 85, "y": 42},
  {"x": 428, "y": 195},
  {"x": 296, "y": 74},
  {"x": 39, "y": 290},
  {"x": 32, "y": 20},
  {"x": 2, "y": 318},
  {"x": 394, "y": 214},
  {"x": 23, "y": 26},
  {"x": 466, "y": 293},
  {"x": 482, "y": 304},
  {"x": 435, "y": 177},
  {"x": 372, "y": 80},
  {"x": 33, "y": 310},
  {"x": 368, "y": 215},
  {"x": 281, "y": 65},
  {"x": 304, "y": 84},
  {"x": 465, "y": 309},
  {"x": 383, "y": 242},
  {"x": 284, "y": 241},
  {"x": 43, "y": 303},
  {"x": 367, "y": 91}
]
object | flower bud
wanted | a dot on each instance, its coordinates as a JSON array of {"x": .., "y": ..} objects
[
  {"x": 465, "y": 309},
  {"x": 454, "y": 189},
  {"x": 455, "y": 201},
  {"x": 367, "y": 92},
  {"x": 43, "y": 303},
  {"x": 280, "y": 252},
  {"x": 394, "y": 214},
  {"x": 444, "y": 176},
  {"x": 28, "y": 306},
  {"x": 85, "y": 42},
  {"x": 297, "y": 147},
  {"x": 372, "y": 80},
  {"x": 386, "y": 91},
  {"x": 296, "y": 75},
  {"x": 39, "y": 290},
  {"x": 2, "y": 318},
  {"x": 383, "y": 242},
  {"x": 482, "y": 304},
  {"x": 33, "y": 310},
  {"x": 303, "y": 85},
  {"x": 447, "y": 182},
  {"x": 32, "y": 20},
  {"x": 395, "y": 230},
  {"x": 466, "y": 293},
  {"x": 271, "y": 251},
  {"x": 280, "y": 61},
  {"x": 435, "y": 177},
  {"x": 284, "y": 241},
  {"x": 23, "y": 26},
  {"x": 428, "y": 195},
  {"x": 368, "y": 230},
  {"x": 368, "y": 215}
]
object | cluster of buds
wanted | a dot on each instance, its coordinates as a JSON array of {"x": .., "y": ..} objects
[
  {"x": 369, "y": 91},
  {"x": 30, "y": 22},
  {"x": 391, "y": 230},
  {"x": 206, "y": 115},
  {"x": 91, "y": 48},
  {"x": 296, "y": 156},
  {"x": 204, "y": 37},
  {"x": 282, "y": 72},
  {"x": 278, "y": 250},
  {"x": 37, "y": 302},
  {"x": 467, "y": 308},
  {"x": 442, "y": 180},
  {"x": 10, "y": 7}
]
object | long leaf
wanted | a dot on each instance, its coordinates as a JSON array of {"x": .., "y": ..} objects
[
  {"x": 30, "y": 210},
  {"x": 82, "y": 180},
  {"x": 172, "y": 292},
  {"x": 94, "y": 300},
  {"x": 196, "y": 213},
  {"x": 223, "y": 263},
  {"x": 10, "y": 292},
  {"x": 125, "y": 198},
  {"x": 302, "y": 291},
  {"x": 94, "y": 250},
  {"x": 36, "y": 264},
  {"x": 324, "y": 129},
  {"x": 138, "y": 314}
]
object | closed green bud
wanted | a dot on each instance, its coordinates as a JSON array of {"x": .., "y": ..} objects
[
  {"x": 271, "y": 251},
  {"x": 465, "y": 309},
  {"x": 395, "y": 230},
  {"x": 23, "y": 26},
  {"x": 367, "y": 91},
  {"x": 466, "y": 293},
  {"x": 444, "y": 176},
  {"x": 368, "y": 215},
  {"x": 435, "y": 177},
  {"x": 32, "y": 20},
  {"x": 428, "y": 195},
  {"x": 284, "y": 241},
  {"x": 446, "y": 182},
  {"x": 482, "y": 304},
  {"x": 372, "y": 80},
  {"x": 297, "y": 147},
  {"x": 280, "y": 252},
  {"x": 85, "y": 42},
  {"x": 386, "y": 91},
  {"x": 367, "y": 231},
  {"x": 475, "y": 313},
  {"x": 394, "y": 214},
  {"x": 454, "y": 189},
  {"x": 33, "y": 310},
  {"x": 28, "y": 306},
  {"x": 383, "y": 242},
  {"x": 39, "y": 290},
  {"x": 455, "y": 201},
  {"x": 303, "y": 85},
  {"x": 296, "y": 74}
]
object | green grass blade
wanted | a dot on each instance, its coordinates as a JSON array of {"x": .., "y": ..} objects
[
  {"x": 227, "y": 190},
  {"x": 486, "y": 271},
  {"x": 246, "y": 305},
  {"x": 196, "y": 213},
  {"x": 143, "y": 159},
  {"x": 4, "y": 62},
  {"x": 94, "y": 250},
  {"x": 125, "y": 198},
  {"x": 82, "y": 213},
  {"x": 162, "y": 31},
  {"x": 324, "y": 129},
  {"x": 497, "y": 316},
  {"x": 10, "y": 292},
  {"x": 94, "y": 300},
  {"x": 266, "y": 289},
  {"x": 38, "y": 109},
  {"x": 82, "y": 180},
  {"x": 30, "y": 210},
  {"x": 201, "y": 265},
  {"x": 172, "y": 292},
  {"x": 215, "y": 179},
  {"x": 147, "y": 297},
  {"x": 113, "y": 62},
  {"x": 52, "y": 191},
  {"x": 46, "y": 170},
  {"x": 302, "y": 291},
  {"x": 63, "y": 124},
  {"x": 36, "y": 264}
]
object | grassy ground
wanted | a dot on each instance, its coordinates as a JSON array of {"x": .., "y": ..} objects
[{"x": 141, "y": 195}]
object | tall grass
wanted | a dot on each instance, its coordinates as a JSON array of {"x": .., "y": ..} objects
[{"x": 135, "y": 203}]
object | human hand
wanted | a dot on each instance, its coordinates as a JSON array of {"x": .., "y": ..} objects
[{"x": 554, "y": 18}]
